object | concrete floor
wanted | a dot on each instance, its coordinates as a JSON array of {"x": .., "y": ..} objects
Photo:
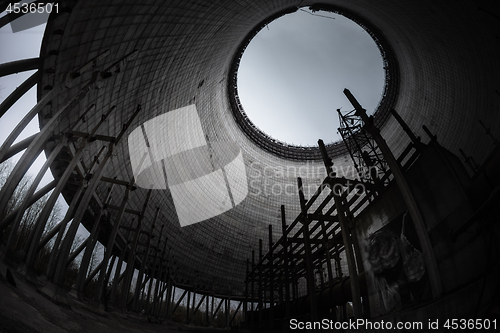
[{"x": 24, "y": 309}]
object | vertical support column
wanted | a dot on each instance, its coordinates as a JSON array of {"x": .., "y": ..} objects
[
  {"x": 227, "y": 310},
  {"x": 61, "y": 227},
  {"x": 245, "y": 304},
  {"x": 281, "y": 296},
  {"x": 361, "y": 270},
  {"x": 132, "y": 254},
  {"x": 359, "y": 260},
  {"x": 87, "y": 255},
  {"x": 144, "y": 289},
  {"x": 295, "y": 281},
  {"x": 285, "y": 263},
  {"x": 188, "y": 306},
  {"x": 193, "y": 305},
  {"x": 150, "y": 286},
  {"x": 252, "y": 286},
  {"x": 338, "y": 266},
  {"x": 212, "y": 310},
  {"x": 319, "y": 272},
  {"x": 207, "y": 299},
  {"x": 327, "y": 253},
  {"x": 261, "y": 287},
  {"x": 32, "y": 245},
  {"x": 140, "y": 276},
  {"x": 160, "y": 296},
  {"x": 106, "y": 281},
  {"x": 271, "y": 279},
  {"x": 69, "y": 216},
  {"x": 159, "y": 273},
  {"x": 129, "y": 271},
  {"x": 172, "y": 304},
  {"x": 166, "y": 285},
  {"x": 94, "y": 234},
  {"x": 340, "y": 275},
  {"x": 168, "y": 296},
  {"x": 311, "y": 289},
  {"x": 417, "y": 218},
  {"x": 153, "y": 270},
  {"x": 100, "y": 287},
  {"x": 163, "y": 295},
  {"x": 345, "y": 229},
  {"x": 116, "y": 279},
  {"x": 416, "y": 141},
  {"x": 140, "y": 284},
  {"x": 111, "y": 265}
]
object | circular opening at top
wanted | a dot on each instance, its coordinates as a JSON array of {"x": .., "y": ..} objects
[{"x": 292, "y": 74}]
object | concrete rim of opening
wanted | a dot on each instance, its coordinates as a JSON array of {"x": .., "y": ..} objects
[{"x": 290, "y": 151}]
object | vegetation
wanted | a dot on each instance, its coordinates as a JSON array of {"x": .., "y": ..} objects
[
  {"x": 20, "y": 237},
  {"x": 26, "y": 226}
]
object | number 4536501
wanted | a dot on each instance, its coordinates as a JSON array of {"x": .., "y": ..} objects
[
  {"x": 32, "y": 8},
  {"x": 471, "y": 324}
]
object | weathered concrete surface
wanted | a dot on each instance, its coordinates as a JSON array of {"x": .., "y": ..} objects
[{"x": 23, "y": 309}]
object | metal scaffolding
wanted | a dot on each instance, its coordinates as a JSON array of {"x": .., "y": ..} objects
[{"x": 317, "y": 239}]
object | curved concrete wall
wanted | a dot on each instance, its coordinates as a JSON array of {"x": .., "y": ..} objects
[{"x": 448, "y": 81}]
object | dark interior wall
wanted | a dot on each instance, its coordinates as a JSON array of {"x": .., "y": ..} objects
[
  {"x": 442, "y": 190},
  {"x": 440, "y": 186},
  {"x": 448, "y": 81}
]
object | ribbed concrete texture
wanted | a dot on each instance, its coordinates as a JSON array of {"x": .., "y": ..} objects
[{"x": 445, "y": 59}]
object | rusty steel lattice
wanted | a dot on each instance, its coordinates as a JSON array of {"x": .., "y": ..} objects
[{"x": 366, "y": 155}]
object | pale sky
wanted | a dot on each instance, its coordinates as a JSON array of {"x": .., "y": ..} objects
[
  {"x": 292, "y": 75},
  {"x": 15, "y": 46}
]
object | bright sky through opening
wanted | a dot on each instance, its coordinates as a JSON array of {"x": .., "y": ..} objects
[{"x": 292, "y": 75}]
